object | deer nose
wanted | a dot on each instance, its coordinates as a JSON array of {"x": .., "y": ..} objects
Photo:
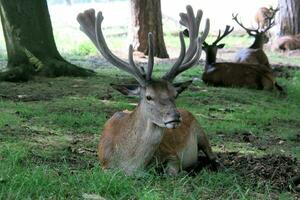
[
  {"x": 174, "y": 115},
  {"x": 172, "y": 119}
]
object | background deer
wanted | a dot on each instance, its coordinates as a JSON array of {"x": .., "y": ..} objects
[
  {"x": 263, "y": 15},
  {"x": 287, "y": 42},
  {"x": 234, "y": 74},
  {"x": 155, "y": 128},
  {"x": 255, "y": 53}
]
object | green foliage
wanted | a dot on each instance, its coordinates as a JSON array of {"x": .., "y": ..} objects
[
  {"x": 34, "y": 60},
  {"x": 86, "y": 48}
]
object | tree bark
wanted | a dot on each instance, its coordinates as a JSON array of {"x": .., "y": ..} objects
[
  {"x": 146, "y": 17},
  {"x": 30, "y": 44},
  {"x": 288, "y": 19}
]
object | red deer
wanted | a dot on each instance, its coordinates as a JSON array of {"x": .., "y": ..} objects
[
  {"x": 287, "y": 42},
  {"x": 262, "y": 16},
  {"x": 255, "y": 53},
  {"x": 234, "y": 74},
  {"x": 155, "y": 129}
]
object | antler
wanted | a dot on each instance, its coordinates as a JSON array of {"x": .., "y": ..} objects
[
  {"x": 189, "y": 58},
  {"x": 226, "y": 32},
  {"x": 252, "y": 32},
  {"x": 271, "y": 19},
  {"x": 91, "y": 26}
]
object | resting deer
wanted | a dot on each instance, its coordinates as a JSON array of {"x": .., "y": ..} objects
[
  {"x": 155, "y": 128},
  {"x": 263, "y": 15},
  {"x": 234, "y": 74},
  {"x": 255, "y": 53},
  {"x": 287, "y": 42}
]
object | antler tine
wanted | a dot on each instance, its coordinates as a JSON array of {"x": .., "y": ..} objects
[
  {"x": 197, "y": 54},
  {"x": 226, "y": 32},
  {"x": 138, "y": 72},
  {"x": 191, "y": 62},
  {"x": 91, "y": 26},
  {"x": 193, "y": 28},
  {"x": 182, "y": 63},
  {"x": 172, "y": 73},
  {"x": 248, "y": 30},
  {"x": 87, "y": 24},
  {"x": 150, "y": 57}
]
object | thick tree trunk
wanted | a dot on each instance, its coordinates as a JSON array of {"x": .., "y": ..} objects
[
  {"x": 30, "y": 44},
  {"x": 146, "y": 17},
  {"x": 288, "y": 19}
]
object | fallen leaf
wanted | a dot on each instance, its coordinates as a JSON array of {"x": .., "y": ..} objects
[{"x": 92, "y": 197}]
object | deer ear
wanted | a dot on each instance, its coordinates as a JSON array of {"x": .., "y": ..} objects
[
  {"x": 127, "y": 89},
  {"x": 180, "y": 87},
  {"x": 221, "y": 46}
]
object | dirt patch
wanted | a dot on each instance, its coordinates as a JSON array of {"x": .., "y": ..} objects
[
  {"x": 284, "y": 71},
  {"x": 276, "y": 169},
  {"x": 254, "y": 140}
]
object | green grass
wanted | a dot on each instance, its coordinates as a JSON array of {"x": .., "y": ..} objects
[{"x": 48, "y": 142}]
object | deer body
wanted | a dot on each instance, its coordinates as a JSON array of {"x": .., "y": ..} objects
[
  {"x": 155, "y": 128},
  {"x": 239, "y": 74},
  {"x": 288, "y": 42},
  {"x": 177, "y": 147},
  {"x": 254, "y": 56},
  {"x": 235, "y": 74}
]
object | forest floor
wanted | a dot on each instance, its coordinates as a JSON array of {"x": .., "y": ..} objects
[{"x": 50, "y": 127}]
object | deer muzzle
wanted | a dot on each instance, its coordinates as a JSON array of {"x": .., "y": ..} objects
[{"x": 172, "y": 119}]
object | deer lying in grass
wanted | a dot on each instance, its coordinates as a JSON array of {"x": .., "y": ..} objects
[
  {"x": 287, "y": 42},
  {"x": 255, "y": 53},
  {"x": 235, "y": 74},
  {"x": 155, "y": 128},
  {"x": 263, "y": 15}
]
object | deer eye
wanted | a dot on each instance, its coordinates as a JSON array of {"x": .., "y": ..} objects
[{"x": 149, "y": 98}]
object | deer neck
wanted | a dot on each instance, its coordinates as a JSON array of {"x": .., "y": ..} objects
[
  {"x": 209, "y": 61},
  {"x": 148, "y": 131},
  {"x": 258, "y": 43},
  {"x": 142, "y": 141}
]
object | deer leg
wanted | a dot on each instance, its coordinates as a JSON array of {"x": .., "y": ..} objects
[
  {"x": 204, "y": 145},
  {"x": 267, "y": 83},
  {"x": 173, "y": 166}
]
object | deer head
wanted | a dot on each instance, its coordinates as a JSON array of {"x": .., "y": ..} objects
[
  {"x": 157, "y": 97},
  {"x": 212, "y": 49},
  {"x": 259, "y": 33}
]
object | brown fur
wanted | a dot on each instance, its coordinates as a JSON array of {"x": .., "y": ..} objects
[
  {"x": 239, "y": 74},
  {"x": 288, "y": 42},
  {"x": 118, "y": 129},
  {"x": 254, "y": 56},
  {"x": 261, "y": 16}
]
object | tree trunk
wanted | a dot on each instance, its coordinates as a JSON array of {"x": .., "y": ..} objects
[
  {"x": 146, "y": 17},
  {"x": 30, "y": 44},
  {"x": 288, "y": 17}
]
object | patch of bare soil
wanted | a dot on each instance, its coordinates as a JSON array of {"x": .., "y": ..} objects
[
  {"x": 282, "y": 172},
  {"x": 276, "y": 169},
  {"x": 283, "y": 70},
  {"x": 254, "y": 140}
]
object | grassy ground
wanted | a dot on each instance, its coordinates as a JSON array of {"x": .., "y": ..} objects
[{"x": 49, "y": 129}]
